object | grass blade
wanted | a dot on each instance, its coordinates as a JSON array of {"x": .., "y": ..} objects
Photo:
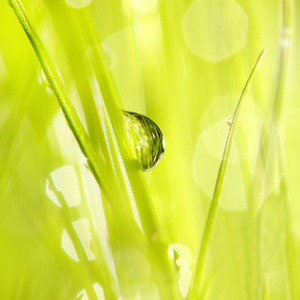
[
  {"x": 58, "y": 89},
  {"x": 282, "y": 71},
  {"x": 266, "y": 295},
  {"x": 157, "y": 250},
  {"x": 211, "y": 218}
]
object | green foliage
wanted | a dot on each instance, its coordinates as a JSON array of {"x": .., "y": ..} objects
[{"x": 79, "y": 217}]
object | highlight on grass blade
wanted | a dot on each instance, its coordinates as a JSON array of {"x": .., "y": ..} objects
[
  {"x": 266, "y": 295},
  {"x": 195, "y": 291}
]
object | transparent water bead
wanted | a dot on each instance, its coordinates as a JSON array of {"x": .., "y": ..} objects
[{"x": 146, "y": 139}]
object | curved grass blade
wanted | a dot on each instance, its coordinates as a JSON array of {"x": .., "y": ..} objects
[
  {"x": 157, "y": 251},
  {"x": 59, "y": 90},
  {"x": 195, "y": 291}
]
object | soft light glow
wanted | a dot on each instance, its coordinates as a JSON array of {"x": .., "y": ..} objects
[
  {"x": 92, "y": 56},
  {"x": 65, "y": 181},
  {"x": 78, "y": 3},
  {"x": 82, "y": 229},
  {"x": 99, "y": 291},
  {"x": 51, "y": 194},
  {"x": 184, "y": 262},
  {"x": 144, "y": 6},
  {"x": 226, "y": 23},
  {"x": 67, "y": 144},
  {"x": 82, "y": 295},
  {"x": 206, "y": 166},
  {"x": 2, "y": 68},
  {"x": 214, "y": 129},
  {"x": 274, "y": 173},
  {"x": 124, "y": 55},
  {"x": 68, "y": 246},
  {"x": 148, "y": 292}
]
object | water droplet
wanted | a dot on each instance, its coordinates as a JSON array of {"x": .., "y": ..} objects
[{"x": 146, "y": 139}]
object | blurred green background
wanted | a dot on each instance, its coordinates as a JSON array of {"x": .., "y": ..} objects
[{"x": 183, "y": 64}]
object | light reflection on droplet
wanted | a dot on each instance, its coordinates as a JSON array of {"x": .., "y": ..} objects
[
  {"x": 65, "y": 181},
  {"x": 148, "y": 151},
  {"x": 68, "y": 246},
  {"x": 78, "y": 3},
  {"x": 82, "y": 229}
]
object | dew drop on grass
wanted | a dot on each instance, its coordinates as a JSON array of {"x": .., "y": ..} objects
[{"x": 146, "y": 139}]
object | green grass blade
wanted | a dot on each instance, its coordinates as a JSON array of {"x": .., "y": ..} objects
[
  {"x": 282, "y": 71},
  {"x": 57, "y": 87},
  {"x": 211, "y": 218},
  {"x": 266, "y": 295},
  {"x": 156, "y": 245}
]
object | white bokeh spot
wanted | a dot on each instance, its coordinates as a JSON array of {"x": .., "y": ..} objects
[
  {"x": 65, "y": 181},
  {"x": 144, "y": 6},
  {"x": 210, "y": 145},
  {"x": 81, "y": 227},
  {"x": 78, "y": 3},
  {"x": 98, "y": 291},
  {"x": 68, "y": 246},
  {"x": 215, "y": 30},
  {"x": 183, "y": 262},
  {"x": 51, "y": 194}
]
